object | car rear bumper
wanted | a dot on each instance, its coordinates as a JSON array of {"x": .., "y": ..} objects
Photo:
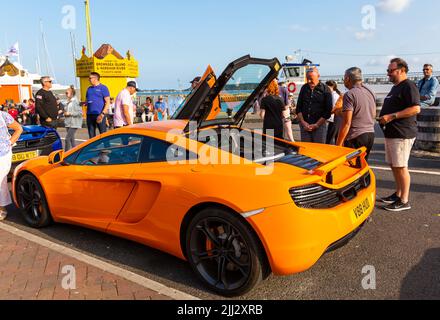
[{"x": 295, "y": 239}]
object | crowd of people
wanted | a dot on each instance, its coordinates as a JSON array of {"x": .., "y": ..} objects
[
  {"x": 23, "y": 113},
  {"x": 327, "y": 116},
  {"x": 324, "y": 114}
]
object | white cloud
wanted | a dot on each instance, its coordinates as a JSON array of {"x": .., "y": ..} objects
[
  {"x": 364, "y": 35},
  {"x": 393, "y": 6},
  {"x": 380, "y": 61},
  {"x": 298, "y": 28}
]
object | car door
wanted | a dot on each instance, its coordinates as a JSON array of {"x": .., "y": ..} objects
[
  {"x": 227, "y": 99},
  {"x": 157, "y": 179},
  {"x": 93, "y": 184}
]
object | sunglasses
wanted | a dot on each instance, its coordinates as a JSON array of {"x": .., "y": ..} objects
[
  {"x": 48, "y": 81},
  {"x": 392, "y": 70},
  {"x": 426, "y": 69}
]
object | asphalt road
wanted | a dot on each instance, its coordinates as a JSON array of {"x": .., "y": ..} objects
[{"x": 403, "y": 248}]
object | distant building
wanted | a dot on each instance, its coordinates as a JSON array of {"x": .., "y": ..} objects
[{"x": 15, "y": 82}]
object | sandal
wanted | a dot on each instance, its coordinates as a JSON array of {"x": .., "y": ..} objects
[{"x": 3, "y": 214}]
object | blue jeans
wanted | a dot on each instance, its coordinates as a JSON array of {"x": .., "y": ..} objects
[
  {"x": 317, "y": 136},
  {"x": 92, "y": 125}
]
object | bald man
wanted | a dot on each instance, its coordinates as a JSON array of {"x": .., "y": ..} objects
[{"x": 315, "y": 104}]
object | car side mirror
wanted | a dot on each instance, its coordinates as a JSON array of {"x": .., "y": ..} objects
[{"x": 56, "y": 157}]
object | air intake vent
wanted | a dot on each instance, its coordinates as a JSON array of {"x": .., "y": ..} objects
[{"x": 319, "y": 197}]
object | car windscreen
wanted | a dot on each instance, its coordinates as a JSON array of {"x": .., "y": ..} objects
[{"x": 238, "y": 89}]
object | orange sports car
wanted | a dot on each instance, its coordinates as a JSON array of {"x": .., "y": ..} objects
[{"x": 236, "y": 204}]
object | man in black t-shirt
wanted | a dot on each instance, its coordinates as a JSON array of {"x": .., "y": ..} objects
[
  {"x": 399, "y": 123},
  {"x": 46, "y": 105}
]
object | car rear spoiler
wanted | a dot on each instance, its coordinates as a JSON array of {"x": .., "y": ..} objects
[{"x": 325, "y": 171}]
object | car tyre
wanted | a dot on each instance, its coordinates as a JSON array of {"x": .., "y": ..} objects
[
  {"x": 32, "y": 202},
  {"x": 224, "y": 252}
]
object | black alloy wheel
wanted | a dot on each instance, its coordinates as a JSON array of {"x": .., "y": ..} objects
[
  {"x": 224, "y": 252},
  {"x": 32, "y": 202}
]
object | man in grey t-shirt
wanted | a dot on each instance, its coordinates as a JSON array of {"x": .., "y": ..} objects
[{"x": 359, "y": 113}]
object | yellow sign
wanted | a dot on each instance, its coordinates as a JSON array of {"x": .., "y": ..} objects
[
  {"x": 83, "y": 67},
  {"x": 115, "y": 70},
  {"x": 110, "y": 66}
]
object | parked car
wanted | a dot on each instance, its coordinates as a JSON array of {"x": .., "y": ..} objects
[
  {"x": 35, "y": 141},
  {"x": 276, "y": 207}
]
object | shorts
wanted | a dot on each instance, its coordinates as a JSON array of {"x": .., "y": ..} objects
[
  {"x": 398, "y": 152},
  {"x": 5, "y": 167}
]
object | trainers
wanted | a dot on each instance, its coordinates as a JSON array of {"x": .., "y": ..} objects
[
  {"x": 398, "y": 206},
  {"x": 391, "y": 199},
  {"x": 3, "y": 215}
]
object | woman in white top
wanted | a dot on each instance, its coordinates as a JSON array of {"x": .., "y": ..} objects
[
  {"x": 6, "y": 143},
  {"x": 73, "y": 116},
  {"x": 334, "y": 122}
]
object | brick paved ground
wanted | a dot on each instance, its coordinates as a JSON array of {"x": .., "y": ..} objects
[{"x": 29, "y": 271}]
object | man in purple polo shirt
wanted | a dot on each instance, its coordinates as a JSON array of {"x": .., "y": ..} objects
[
  {"x": 98, "y": 103},
  {"x": 284, "y": 92}
]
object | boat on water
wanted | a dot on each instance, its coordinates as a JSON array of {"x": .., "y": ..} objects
[{"x": 293, "y": 76}]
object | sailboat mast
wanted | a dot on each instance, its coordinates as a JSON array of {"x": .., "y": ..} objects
[
  {"x": 43, "y": 39},
  {"x": 49, "y": 66},
  {"x": 38, "y": 60},
  {"x": 73, "y": 44},
  {"x": 89, "y": 29}
]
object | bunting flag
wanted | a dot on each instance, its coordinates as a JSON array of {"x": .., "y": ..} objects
[{"x": 14, "y": 50}]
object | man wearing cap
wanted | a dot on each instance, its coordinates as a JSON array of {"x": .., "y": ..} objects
[
  {"x": 195, "y": 82},
  {"x": 124, "y": 107},
  {"x": 160, "y": 108}
]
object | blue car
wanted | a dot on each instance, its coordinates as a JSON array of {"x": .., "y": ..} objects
[{"x": 35, "y": 141}]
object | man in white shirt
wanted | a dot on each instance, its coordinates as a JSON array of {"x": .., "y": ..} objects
[{"x": 124, "y": 106}]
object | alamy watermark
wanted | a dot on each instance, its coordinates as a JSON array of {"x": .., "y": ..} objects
[
  {"x": 369, "y": 281},
  {"x": 224, "y": 146},
  {"x": 68, "y": 21},
  {"x": 68, "y": 282},
  {"x": 368, "y": 18}
]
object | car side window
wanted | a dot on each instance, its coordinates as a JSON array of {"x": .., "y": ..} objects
[
  {"x": 71, "y": 159},
  {"x": 160, "y": 151},
  {"x": 114, "y": 150}
]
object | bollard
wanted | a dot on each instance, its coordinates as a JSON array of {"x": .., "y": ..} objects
[{"x": 428, "y": 122}]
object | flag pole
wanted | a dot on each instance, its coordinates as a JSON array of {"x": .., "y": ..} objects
[
  {"x": 19, "y": 73},
  {"x": 89, "y": 29}
]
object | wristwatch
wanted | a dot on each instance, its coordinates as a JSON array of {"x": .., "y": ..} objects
[{"x": 394, "y": 116}]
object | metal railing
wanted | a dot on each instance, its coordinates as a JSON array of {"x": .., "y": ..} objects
[{"x": 379, "y": 78}]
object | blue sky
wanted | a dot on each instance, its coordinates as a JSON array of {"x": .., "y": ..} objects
[{"x": 175, "y": 40}]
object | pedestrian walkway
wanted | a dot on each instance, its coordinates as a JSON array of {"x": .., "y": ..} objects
[{"x": 33, "y": 271}]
